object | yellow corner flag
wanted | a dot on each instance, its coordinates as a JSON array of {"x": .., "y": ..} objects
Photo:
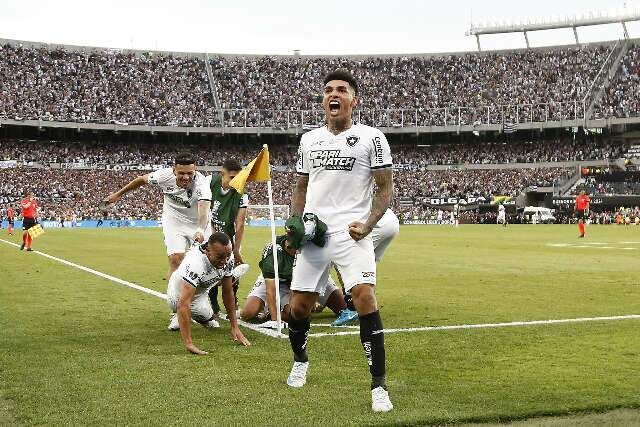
[
  {"x": 35, "y": 231},
  {"x": 256, "y": 170}
]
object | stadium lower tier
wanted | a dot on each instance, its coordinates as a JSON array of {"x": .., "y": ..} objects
[{"x": 64, "y": 193}]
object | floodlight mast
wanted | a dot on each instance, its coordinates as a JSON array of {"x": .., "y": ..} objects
[{"x": 573, "y": 22}]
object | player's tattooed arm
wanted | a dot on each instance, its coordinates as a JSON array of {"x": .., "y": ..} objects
[
  {"x": 299, "y": 197},
  {"x": 133, "y": 185},
  {"x": 381, "y": 201}
]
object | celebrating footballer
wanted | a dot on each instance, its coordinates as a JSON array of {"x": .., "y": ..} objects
[{"x": 338, "y": 165}]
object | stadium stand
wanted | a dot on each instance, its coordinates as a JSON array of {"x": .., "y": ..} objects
[
  {"x": 479, "y": 82},
  {"x": 151, "y": 88},
  {"x": 73, "y": 176},
  {"x": 77, "y": 86},
  {"x": 409, "y": 156},
  {"x": 620, "y": 99}
]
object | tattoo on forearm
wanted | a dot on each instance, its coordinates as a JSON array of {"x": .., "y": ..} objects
[
  {"x": 382, "y": 196},
  {"x": 299, "y": 197}
]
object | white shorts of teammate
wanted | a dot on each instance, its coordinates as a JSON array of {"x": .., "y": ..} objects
[
  {"x": 201, "y": 310},
  {"x": 178, "y": 236},
  {"x": 260, "y": 291},
  {"x": 384, "y": 232},
  {"x": 501, "y": 218},
  {"x": 355, "y": 261}
]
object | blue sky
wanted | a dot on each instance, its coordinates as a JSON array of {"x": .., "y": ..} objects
[{"x": 279, "y": 27}]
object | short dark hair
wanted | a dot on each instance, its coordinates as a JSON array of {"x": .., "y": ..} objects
[
  {"x": 342, "y": 74},
  {"x": 185, "y": 159},
  {"x": 219, "y": 237},
  {"x": 232, "y": 165}
]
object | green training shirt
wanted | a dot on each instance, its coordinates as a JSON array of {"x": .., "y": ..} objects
[
  {"x": 225, "y": 206},
  {"x": 285, "y": 262}
]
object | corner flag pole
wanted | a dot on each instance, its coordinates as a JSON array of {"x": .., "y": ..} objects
[{"x": 274, "y": 248}]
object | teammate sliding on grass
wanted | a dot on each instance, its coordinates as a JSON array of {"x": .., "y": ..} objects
[{"x": 205, "y": 266}]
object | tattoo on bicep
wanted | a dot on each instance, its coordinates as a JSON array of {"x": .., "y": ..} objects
[{"x": 382, "y": 196}]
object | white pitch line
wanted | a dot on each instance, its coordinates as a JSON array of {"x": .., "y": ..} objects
[
  {"x": 133, "y": 285},
  {"x": 490, "y": 325},
  {"x": 274, "y": 334},
  {"x": 328, "y": 325},
  {"x": 587, "y": 246}
]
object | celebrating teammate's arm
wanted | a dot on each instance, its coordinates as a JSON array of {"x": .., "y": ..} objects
[
  {"x": 133, "y": 185},
  {"x": 203, "y": 219},
  {"x": 237, "y": 244},
  {"x": 381, "y": 201},
  {"x": 299, "y": 198},
  {"x": 187, "y": 292},
  {"x": 230, "y": 305}
]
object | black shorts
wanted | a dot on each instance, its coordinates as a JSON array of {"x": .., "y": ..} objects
[
  {"x": 27, "y": 223},
  {"x": 581, "y": 214},
  {"x": 10, "y": 222}
]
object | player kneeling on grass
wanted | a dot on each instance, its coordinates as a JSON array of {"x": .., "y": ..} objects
[
  {"x": 204, "y": 266},
  {"x": 263, "y": 294}
]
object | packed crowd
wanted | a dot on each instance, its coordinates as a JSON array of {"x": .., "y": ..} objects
[
  {"x": 558, "y": 150},
  {"x": 63, "y": 193},
  {"x": 621, "y": 216},
  {"x": 80, "y": 191},
  {"x": 621, "y": 183},
  {"x": 159, "y": 89},
  {"x": 410, "y": 157},
  {"x": 480, "y": 82},
  {"x": 473, "y": 182},
  {"x": 104, "y": 86},
  {"x": 114, "y": 153},
  {"x": 622, "y": 97}
]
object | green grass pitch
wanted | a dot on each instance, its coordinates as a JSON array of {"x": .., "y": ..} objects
[{"x": 79, "y": 349}]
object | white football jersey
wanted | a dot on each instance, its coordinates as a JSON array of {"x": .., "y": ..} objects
[
  {"x": 197, "y": 270},
  {"x": 501, "y": 209},
  {"x": 181, "y": 203},
  {"x": 340, "y": 172}
]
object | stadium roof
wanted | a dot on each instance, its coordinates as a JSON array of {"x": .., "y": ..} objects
[{"x": 552, "y": 23}]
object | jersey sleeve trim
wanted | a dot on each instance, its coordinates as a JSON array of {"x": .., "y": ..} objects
[
  {"x": 381, "y": 167},
  {"x": 189, "y": 282},
  {"x": 303, "y": 173}
]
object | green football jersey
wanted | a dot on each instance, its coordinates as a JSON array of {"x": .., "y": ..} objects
[
  {"x": 285, "y": 262},
  {"x": 224, "y": 207}
]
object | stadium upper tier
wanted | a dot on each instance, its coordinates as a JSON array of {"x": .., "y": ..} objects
[{"x": 279, "y": 92}]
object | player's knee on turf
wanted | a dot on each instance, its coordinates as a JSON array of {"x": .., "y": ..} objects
[
  {"x": 251, "y": 309},
  {"x": 364, "y": 298}
]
